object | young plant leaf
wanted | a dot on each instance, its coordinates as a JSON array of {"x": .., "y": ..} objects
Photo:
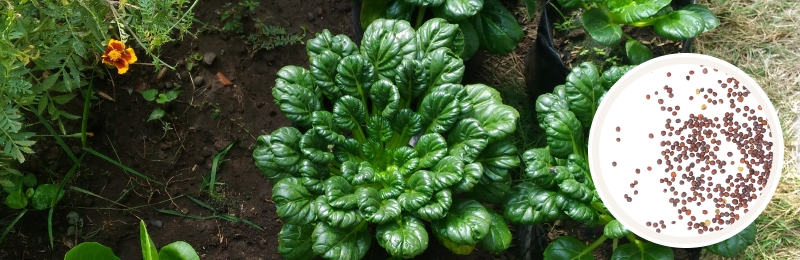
[
  {"x": 340, "y": 45},
  {"x": 149, "y": 251},
  {"x": 633, "y": 11},
  {"x": 710, "y": 20},
  {"x": 567, "y": 247},
  {"x": 457, "y": 10},
  {"x": 402, "y": 31},
  {"x": 472, "y": 41},
  {"x": 466, "y": 224},
  {"x": 294, "y": 242},
  {"x": 157, "y": 114},
  {"x": 497, "y": 29},
  {"x": 601, "y": 28},
  {"x": 90, "y": 250},
  {"x": 339, "y": 243},
  {"x": 405, "y": 238},
  {"x": 149, "y": 94},
  {"x": 735, "y": 245},
  {"x": 637, "y": 52},
  {"x": 615, "y": 230},
  {"x": 499, "y": 237},
  {"x": 44, "y": 195},
  {"x": 680, "y": 25},
  {"x": 178, "y": 250},
  {"x": 436, "y": 33}
]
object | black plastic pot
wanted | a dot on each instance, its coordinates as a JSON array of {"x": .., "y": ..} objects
[{"x": 544, "y": 69}]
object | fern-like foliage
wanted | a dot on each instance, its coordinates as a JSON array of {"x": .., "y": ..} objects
[{"x": 270, "y": 37}]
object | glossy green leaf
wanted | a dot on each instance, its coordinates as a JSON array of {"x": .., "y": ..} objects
[
  {"x": 492, "y": 186},
  {"x": 531, "y": 7},
  {"x": 567, "y": 247},
  {"x": 334, "y": 216},
  {"x": 383, "y": 50},
  {"x": 402, "y": 31},
  {"x": 498, "y": 120},
  {"x": 569, "y": 4},
  {"x": 502, "y": 154},
  {"x": 394, "y": 184},
  {"x": 497, "y": 29},
  {"x": 296, "y": 102},
  {"x": 285, "y": 145},
  {"x": 294, "y": 242},
  {"x": 472, "y": 174},
  {"x": 615, "y": 230},
  {"x": 583, "y": 90},
  {"x": 325, "y": 41},
  {"x": 576, "y": 210},
  {"x": 564, "y": 134},
  {"x": 371, "y": 11},
  {"x": 347, "y": 151},
  {"x": 295, "y": 75},
  {"x": 340, "y": 193},
  {"x": 420, "y": 188},
  {"x": 411, "y": 80},
  {"x": 366, "y": 175},
  {"x": 499, "y": 237},
  {"x": 426, "y": 3},
  {"x": 405, "y": 159},
  {"x": 680, "y": 25},
  {"x": 613, "y": 74},
  {"x": 467, "y": 140},
  {"x": 437, "y": 207},
  {"x": 149, "y": 251},
  {"x": 45, "y": 194},
  {"x": 398, "y": 10},
  {"x": 90, "y": 250},
  {"x": 149, "y": 94},
  {"x": 265, "y": 160},
  {"x": 157, "y": 114},
  {"x": 710, "y": 20},
  {"x": 472, "y": 41},
  {"x": 406, "y": 123},
  {"x": 324, "y": 69},
  {"x": 527, "y": 204},
  {"x": 385, "y": 98},
  {"x": 576, "y": 190},
  {"x": 447, "y": 171},
  {"x": 439, "y": 112},
  {"x": 437, "y": 33},
  {"x": 579, "y": 169},
  {"x": 371, "y": 149},
  {"x": 466, "y": 224},
  {"x": 378, "y": 128},
  {"x": 480, "y": 95},
  {"x": 637, "y": 52},
  {"x": 349, "y": 113},
  {"x": 651, "y": 252},
  {"x": 178, "y": 250},
  {"x": 548, "y": 103},
  {"x": 628, "y": 11},
  {"x": 355, "y": 76},
  {"x": 339, "y": 243},
  {"x": 293, "y": 202},
  {"x": 325, "y": 127},
  {"x": 374, "y": 209},
  {"x": 315, "y": 148},
  {"x": 457, "y": 10},
  {"x": 443, "y": 67},
  {"x": 736, "y": 244},
  {"x": 405, "y": 238},
  {"x": 599, "y": 25}
]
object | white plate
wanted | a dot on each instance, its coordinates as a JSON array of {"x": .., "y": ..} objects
[{"x": 626, "y": 106}]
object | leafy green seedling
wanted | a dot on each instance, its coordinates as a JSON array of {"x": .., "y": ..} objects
[{"x": 178, "y": 250}]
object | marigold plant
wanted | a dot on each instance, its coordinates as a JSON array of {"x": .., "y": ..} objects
[{"x": 117, "y": 55}]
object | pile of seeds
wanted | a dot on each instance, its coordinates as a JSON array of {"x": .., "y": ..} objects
[{"x": 696, "y": 171}]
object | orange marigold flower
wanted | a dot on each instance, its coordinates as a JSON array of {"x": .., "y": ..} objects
[{"x": 117, "y": 55}]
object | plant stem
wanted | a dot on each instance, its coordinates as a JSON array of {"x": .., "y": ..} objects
[
  {"x": 420, "y": 17},
  {"x": 594, "y": 245},
  {"x": 614, "y": 245}
]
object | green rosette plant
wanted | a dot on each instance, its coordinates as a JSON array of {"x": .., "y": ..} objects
[
  {"x": 486, "y": 24},
  {"x": 603, "y": 20},
  {"x": 557, "y": 183},
  {"x": 387, "y": 140}
]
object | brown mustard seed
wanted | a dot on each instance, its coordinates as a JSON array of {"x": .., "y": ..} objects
[
  {"x": 618, "y": 129},
  {"x": 614, "y": 164},
  {"x": 618, "y": 139}
]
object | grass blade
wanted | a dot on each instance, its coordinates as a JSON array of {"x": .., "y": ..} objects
[
  {"x": 53, "y": 202},
  {"x": 251, "y": 224},
  {"x": 100, "y": 197},
  {"x": 180, "y": 214},
  {"x": 57, "y": 137},
  {"x": 8, "y": 229},
  {"x": 126, "y": 168},
  {"x": 85, "y": 119},
  {"x": 202, "y": 204},
  {"x": 213, "y": 180}
]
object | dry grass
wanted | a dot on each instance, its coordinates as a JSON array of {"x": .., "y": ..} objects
[{"x": 761, "y": 37}]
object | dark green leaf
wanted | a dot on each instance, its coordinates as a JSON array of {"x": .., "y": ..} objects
[
  {"x": 576, "y": 190},
  {"x": 467, "y": 140},
  {"x": 285, "y": 145},
  {"x": 651, "y": 252},
  {"x": 349, "y": 113},
  {"x": 583, "y": 90},
  {"x": 293, "y": 202},
  {"x": 466, "y": 224},
  {"x": 339, "y": 243},
  {"x": 347, "y": 151},
  {"x": 403, "y": 33},
  {"x": 437, "y": 33},
  {"x": 531, "y": 7},
  {"x": 448, "y": 171},
  {"x": 355, "y": 76},
  {"x": 457, "y": 10},
  {"x": 298, "y": 76},
  {"x": 499, "y": 237},
  {"x": 437, "y": 207},
  {"x": 567, "y": 247},
  {"x": 265, "y": 161},
  {"x": 548, "y": 103},
  {"x": 45, "y": 194},
  {"x": 324, "y": 69},
  {"x": 399, "y": 10},
  {"x": 315, "y": 148},
  {"x": 527, "y": 204},
  {"x": 325, "y": 41},
  {"x": 492, "y": 186},
  {"x": 178, "y": 250},
  {"x": 371, "y": 11},
  {"x": 735, "y": 245},
  {"x": 710, "y": 20},
  {"x": 296, "y": 102},
  {"x": 407, "y": 123},
  {"x": 340, "y": 193},
  {"x": 383, "y": 49},
  {"x": 497, "y": 29},
  {"x": 386, "y": 98},
  {"x": 294, "y": 242},
  {"x": 394, "y": 184},
  {"x": 404, "y": 238},
  {"x": 569, "y": 4},
  {"x": 502, "y": 154},
  {"x": 628, "y": 11},
  {"x": 411, "y": 80},
  {"x": 336, "y": 217},
  {"x": 378, "y": 129},
  {"x": 600, "y": 27},
  {"x": 405, "y": 159},
  {"x": 439, "y": 112},
  {"x": 580, "y": 212},
  {"x": 421, "y": 186},
  {"x": 564, "y": 134},
  {"x": 498, "y": 120},
  {"x": 472, "y": 174},
  {"x": 471, "y": 39},
  {"x": 680, "y": 25},
  {"x": 374, "y": 209},
  {"x": 613, "y": 74},
  {"x": 637, "y": 52},
  {"x": 615, "y": 230},
  {"x": 426, "y": 3},
  {"x": 443, "y": 67},
  {"x": 325, "y": 126}
]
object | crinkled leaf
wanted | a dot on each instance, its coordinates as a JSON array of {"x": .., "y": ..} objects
[
  {"x": 385, "y": 97},
  {"x": 355, "y": 76},
  {"x": 583, "y": 89},
  {"x": 439, "y": 112},
  {"x": 548, "y": 103},
  {"x": 651, "y": 252},
  {"x": 564, "y": 134},
  {"x": 736, "y": 244},
  {"x": 443, "y": 66},
  {"x": 466, "y": 224},
  {"x": 420, "y": 188},
  {"x": 325, "y": 41},
  {"x": 347, "y": 151},
  {"x": 349, "y": 113},
  {"x": 372, "y": 149},
  {"x": 382, "y": 48},
  {"x": 480, "y": 94},
  {"x": 472, "y": 41},
  {"x": 394, "y": 184},
  {"x": 265, "y": 161},
  {"x": 340, "y": 193},
  {"x": 599, "y": 25},
  {"x": 406, "y": 123},
  {"x": 497, "y": 29},
  {"x": 366, "y": 174},
  {"x": 324, "y": 69},
  {"x": 576, "y": 210},
  {"x": 437, "y": 207},
  {"x": 637, "y": 52},
  {"x": 467, "y": 140},
  {"x": 294, "y": 242},
  {"x": 340, "y": 243},
  {"x": 576, "y": 190},
  {"x": 567, "y": 247},
  {"x": 45, "y": 194},
  {"x": 448, "y": 171},
  {"x": 437, "y": 33},
  {"x": 615, "y": 230},
  {"x": 300, "y": 76},
  {"x": 404, "y": 238},
  {"x": 378, "y": 128},
  {"x": 472, "y": 173},
  {"x": 411, "y": 80},
  {"x": 613, "y": 74},
  {"x": 680, "y": 25},
  {"x": 325, "y": 127},
  {"x": 502, "y": 154},
  {"x": 628, "y": 11},
  {"x": 296, "y": 102},
  {"x": 336, "y": 217},
  {"x": 498, "y": 120},
  {"x": 405, "y": 159},
  {"x": 499, "y": 237},
  {"x": 431, "y": 148},
  {"x": 426, "y": 3},
  {"x": 372, "y": 11},
  {"x": 402, "y": 31},
  {"x": 527, "y": 204},
  {"x": 293, "y": 202},
  {"x": 579, "y": 169},
  {"x": 311, "y": 176},
  {"x": 374, "y": 209},
  {"x": 457, "y": 10},
  {"x": 315, "y": 148},
  {"x": 492, "y": 186},
  {"x": 399, "y": 10},
  {"x": 710, "y": 20},
  {"x": 285, "y": 145}
]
